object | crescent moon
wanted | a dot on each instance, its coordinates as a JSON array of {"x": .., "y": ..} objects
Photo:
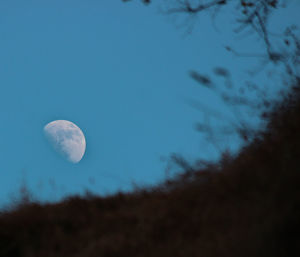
[{"x": 67, "y": 139}]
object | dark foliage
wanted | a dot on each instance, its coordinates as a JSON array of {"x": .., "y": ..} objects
[
  {"x": 144, "y": 1},
  {"x": 248, "y": 205},
  {"x": 280, "y": 50}
]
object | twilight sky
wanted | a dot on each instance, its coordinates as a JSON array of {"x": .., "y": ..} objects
[{"x": 118, "y": 71}]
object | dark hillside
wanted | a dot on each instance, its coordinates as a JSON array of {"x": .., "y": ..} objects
[{"x": 250, "y": 207}]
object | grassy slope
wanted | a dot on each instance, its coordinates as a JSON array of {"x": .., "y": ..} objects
[{"x": 250, "y": 208}]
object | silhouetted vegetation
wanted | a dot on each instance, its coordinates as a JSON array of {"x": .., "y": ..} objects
[
  {"x": 248, "y": 205},
  {"x": 280, "y": 51},
  {"x": 244, "y": 205}
]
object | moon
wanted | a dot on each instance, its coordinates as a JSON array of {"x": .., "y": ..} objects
[{"x": 67, "y": 139}]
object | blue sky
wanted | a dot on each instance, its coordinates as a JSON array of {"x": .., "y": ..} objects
[{"x": 118, "y": 71}]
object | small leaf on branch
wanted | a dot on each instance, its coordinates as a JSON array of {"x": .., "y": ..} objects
[{"x": 202, "y": 79}]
